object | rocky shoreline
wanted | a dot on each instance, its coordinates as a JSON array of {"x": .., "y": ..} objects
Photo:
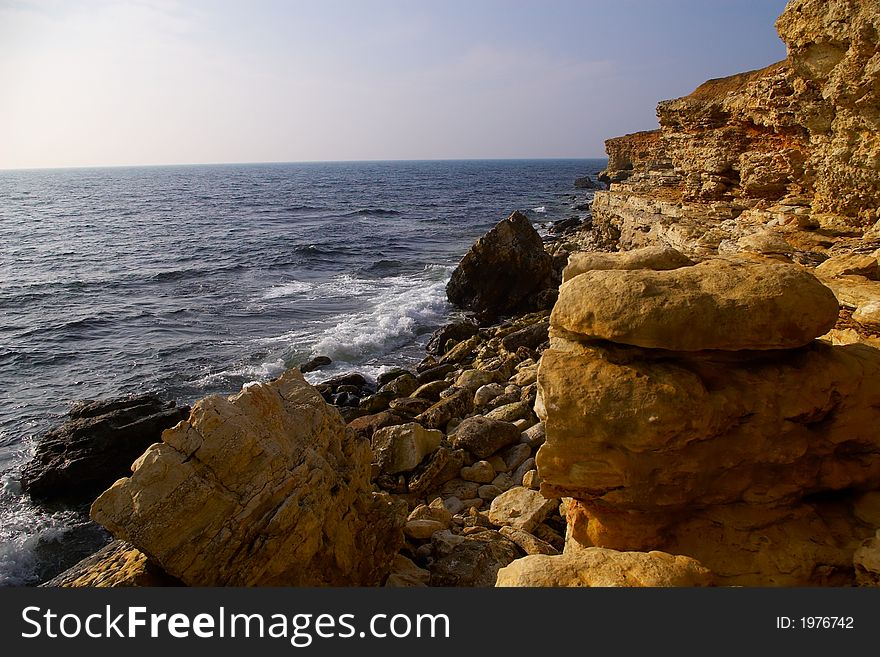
[{"x": 681, "y": 390}]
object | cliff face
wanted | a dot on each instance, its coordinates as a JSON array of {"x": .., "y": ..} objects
[{"x": 792, "y": 147}]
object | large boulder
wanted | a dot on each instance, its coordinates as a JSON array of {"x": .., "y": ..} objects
[
  {"x": 504, "y": 272},
  {"x": 602, "y": 567},
  {"x": 650, "y": 257},
  {"x": 96, "y": 445},
  {"x": 717, "y": 304},
  {"x": 259, "y": 489}
]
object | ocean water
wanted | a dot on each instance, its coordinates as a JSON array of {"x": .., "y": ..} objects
[{"x": 193, "y": 280}]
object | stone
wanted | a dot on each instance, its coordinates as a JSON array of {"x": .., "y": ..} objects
[
  {"x": 586, "y": 182},
  {"x": 457, "y": 405},
  {"x": 390, "y": 375},
  {"x": 528, "y": 543},
  {"x": 525, "y": 377},
  {"x": 658, "y": 258},
  {"x": 534, "y": 436},
  {"x": 347, "y": 379},
  {"x": 453, "y": 505},
  {"x": 373, "y": 404},
  {"x": 532, "y": 479},
  {"x": 497, "y": 462},
  {"x": 441, "y": 466},
  {"x": 481, "y": 472},
  {"x": 768, "y": 242},
  {"x": 474, "y": 379},
  {"x": 640, "y": 433},
  {"x": 402, "y": 447},
  {"x": 489, "y": 492},
  {"x": 521, "y": 508},
  {"x": 431, "y": 390},
  {"x": 455, "y": 332},
  {"x": 317, "y": 363},
  {"x": 530, "y": 337},
  {"x": 716, "y": 304},
  {"x": 410, "y": 406},
  {"x": 502, "y": 481},
  {"x": 403, "y": 386},
  {"x": 517, "y": 410},
  {"x": 365, "y": 426},
  {"x": 463, "y": 352},
  {"x": 853, "y": 264},
  {"x": 270, "y": 473},
  {"x": 116, "y": 564},
  {"x": 521, "y": 470},
  {"x": 433, "y": 511},
  {"x": 405, "y": 573},
  {"x": 422, "y": 529},
  {"x": 868, "y": 315},
  {"x": 96, "y": 445},
  {"x": 602, "y": 567},
  {"x": 487, "y": 393},
  {"x": 435, "y": 373},
  {"x": 867, "y": 562},
  {"x": 463, "y": 490},
  {"x": 515, "y": 455},
  {"x": 503, "y": 271},
  {"x": 483, "y": 436},
  {"x": 474, "y": 560}
]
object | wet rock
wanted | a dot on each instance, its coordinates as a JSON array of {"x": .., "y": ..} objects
[
  {"x": 453, "y": 333},
  {"x": 96, "y": 445},
  {"x": 586, "y": 182},
  {"x": 402, "y": 386},
  {"x": 390, "y": 375},
  {"x": 317, "y": 363}
]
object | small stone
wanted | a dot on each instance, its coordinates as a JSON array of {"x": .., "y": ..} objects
[
  {"x": 410, "y": 406},
  {"x": 481, "y": 472},
  {"x": 390, "y": 375},
  {"x": 434, "y": 511},
  {"x": 431, "y": 390},
  {"x": 503, "y": 481},
  {"x": 520, "y": 472},
  {"x": 487, "y": 393},
  {"x": 532, "y": 479},
  {"x": 463, "y": 490},
  {"x": 526, "y": 376},
  {"x": 474, "y": 379},
  {"x": 459, "y": 404},
  {"x": 489, "y": 492},
  {"x": 497, "y": 463},
  {"x": 377, "y": 402},
  {"x": 434, "y": 373},
  {"x": 422, "y": 529},
  {"x": 473, "y": 503},
  {"x": 406, "y": 573},
  {"x": 484, "y": 436},
  {"x": 315, "y": 364},
  {"x": 510, "y": 412},
  {"x": 515, "y": 455},
  {"x": 402, "y": 447},
  {"x": 403, "y": 386},
  {"x": 530, "y": 544},
  {"x": 453, "y": 505},
  {"x": 534, "y": 436},
  {"x": 470, "y": 531},
  {"x": 520, "y": 507},
  {"x": 438, "y": 468}
]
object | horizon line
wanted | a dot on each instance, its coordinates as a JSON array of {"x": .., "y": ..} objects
[{"x": 266, "y": 162}]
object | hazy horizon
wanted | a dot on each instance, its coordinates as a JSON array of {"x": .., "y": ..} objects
[{"x": 96, "y": 83}]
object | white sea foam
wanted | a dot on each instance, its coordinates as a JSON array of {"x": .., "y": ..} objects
[
  {"x": 287, "y": 289},
  {"x": 260, "y": 372},
  {"x": 541, "y": 209}
]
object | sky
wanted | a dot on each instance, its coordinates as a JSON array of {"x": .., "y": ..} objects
[{"x": 143, "y": 82}]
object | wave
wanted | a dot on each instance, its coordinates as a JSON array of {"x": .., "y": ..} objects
[
  {"x": 373, "y": 212},
  {"x": 236, "y": 376},
  {"x": 541, "y": 209},
  {"x": 287, "y": 289}
]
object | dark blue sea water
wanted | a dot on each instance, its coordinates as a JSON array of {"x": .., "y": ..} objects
[{"x": 196, "y": 279}]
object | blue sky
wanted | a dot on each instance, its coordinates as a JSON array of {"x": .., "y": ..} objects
[{"x": 95, "y": 82}]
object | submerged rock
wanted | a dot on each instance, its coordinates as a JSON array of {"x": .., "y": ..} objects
[{"x": 96, "y": 445}]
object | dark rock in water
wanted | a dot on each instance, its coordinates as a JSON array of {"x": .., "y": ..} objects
[
  {"x": 583, "y": 207},
  {"x": 96, "y": 445},
  {"x": 502, "y": 271},
  {"x": 390, "y": 375},
  {"x": 347, "y": 379},
  {"x": 564, "y": 225},
  {"x": 531, "y": 337},
  {"x": 346, "y": 399},
  {"x": 377, "y": 402},
  {"x": 585, "y": 182},
  {"x": 456, "y": 331},
  {"x": 315, "y": 364}
]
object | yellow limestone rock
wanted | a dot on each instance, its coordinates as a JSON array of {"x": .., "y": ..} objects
[
  {"x": 716, "y": 304},
  {"x": 591, "y": 567},
  {"x": 262, "y": 488}
]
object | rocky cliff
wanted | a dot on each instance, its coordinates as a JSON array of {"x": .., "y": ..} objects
[{"x": 793, "y": 147}]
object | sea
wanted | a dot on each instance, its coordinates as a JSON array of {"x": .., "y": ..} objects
[{"x": 194, "y": 280}]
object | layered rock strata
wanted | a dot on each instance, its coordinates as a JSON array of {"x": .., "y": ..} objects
[
  {"x": 266, "y": 487},
  {"x": 792, "y": 148},
  {"x": 749, "y": 453}
]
